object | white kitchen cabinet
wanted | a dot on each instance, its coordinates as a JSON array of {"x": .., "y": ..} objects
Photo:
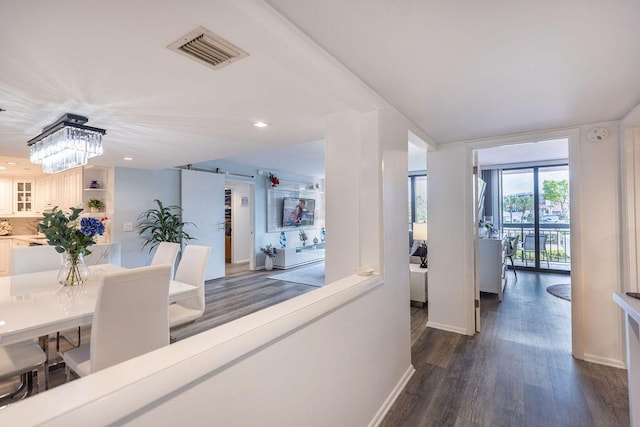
[
  {"x": 23, "y": 197},
  {"x": 5, "y": 257},
  {"x": 70, "y": 188},
  {"x": 63, "y": 190},
  {"x": 6, "y": 197}
]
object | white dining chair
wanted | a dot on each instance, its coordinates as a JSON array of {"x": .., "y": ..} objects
[
  {"x": 166, "y": 253},
  {"x": 107, "y": 253},
  {"x": 190, "y": 271},
  {"x": 22, "y": 359},
  {"x": 131, "y": 318},
  {"x": 31, "y": 259}
]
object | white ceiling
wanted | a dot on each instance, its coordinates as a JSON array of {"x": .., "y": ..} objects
[
  {"x": 469, "y": 69},
  {"x": 459, "y": 70},
  {"x": 302, "y": 159},
  {"x": 109, "y": 62}
]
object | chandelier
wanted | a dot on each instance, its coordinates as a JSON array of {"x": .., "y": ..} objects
[{"x": 66, "y": 144}]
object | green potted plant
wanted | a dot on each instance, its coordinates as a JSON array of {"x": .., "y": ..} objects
[
  {"x": 162, "y": 224},
  {"x": 72, "y": 235},
  {"x": 96, "y": 205}
]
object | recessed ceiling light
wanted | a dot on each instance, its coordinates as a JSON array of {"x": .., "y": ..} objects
[
  {"x": 260, "y": 124},
  {"x": 3, "y": 167},
  {"x": 11, "y": 163},
  {"x": 127, "y": 158}
]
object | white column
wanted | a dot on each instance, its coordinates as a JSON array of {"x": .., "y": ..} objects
[{"x": 343, "y": 147}]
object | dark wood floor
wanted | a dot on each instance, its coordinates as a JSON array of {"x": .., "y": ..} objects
[
  {"x": 237, "y": 295},
  {"x": 517, "y": 372}
]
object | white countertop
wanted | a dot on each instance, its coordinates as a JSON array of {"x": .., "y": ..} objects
[
  {"x": 32, "y": 238},
  {"x": 630, "y": 305}
]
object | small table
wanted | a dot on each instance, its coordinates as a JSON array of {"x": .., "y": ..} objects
[{"x": 418, "y": 284}]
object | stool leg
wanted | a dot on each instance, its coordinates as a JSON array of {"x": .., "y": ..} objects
[{"x": 40, "y": 378}]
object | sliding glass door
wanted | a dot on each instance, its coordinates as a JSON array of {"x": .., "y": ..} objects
[{"x": 535, "y": 210}]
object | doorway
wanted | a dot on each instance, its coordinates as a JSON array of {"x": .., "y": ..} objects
[
  {"x": 526, "y": 212},
  {"x": 238, "y": 227}
]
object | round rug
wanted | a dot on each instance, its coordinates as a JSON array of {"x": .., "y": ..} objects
[{"x": 561, "y": 291}]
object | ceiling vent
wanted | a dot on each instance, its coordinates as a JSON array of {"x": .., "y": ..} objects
[{"x": 208, "y": 48}]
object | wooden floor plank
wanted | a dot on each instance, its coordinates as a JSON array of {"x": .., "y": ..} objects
[{"x": 517, "y": 371}]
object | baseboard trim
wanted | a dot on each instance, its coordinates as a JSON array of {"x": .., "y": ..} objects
[
  {"x": 377, "y": 419},
  {"x": 605, "y": 361},
  {"x": 447, "y": 328}
]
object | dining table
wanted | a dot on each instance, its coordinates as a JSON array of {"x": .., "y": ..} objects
[{"x": 35, "y": 305}]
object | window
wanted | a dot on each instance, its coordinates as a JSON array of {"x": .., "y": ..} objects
[{"x": 417, "y": 201}]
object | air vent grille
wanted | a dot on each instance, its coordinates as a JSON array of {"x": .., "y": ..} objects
[{"x": 208, "y": 48}]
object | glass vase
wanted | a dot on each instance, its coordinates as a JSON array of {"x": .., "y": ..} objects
[{"x": 74, "y": 270}]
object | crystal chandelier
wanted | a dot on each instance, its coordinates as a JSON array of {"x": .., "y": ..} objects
[{"x": 66, "y": 144}]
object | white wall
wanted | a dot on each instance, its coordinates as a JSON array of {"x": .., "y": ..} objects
[
  {"x": 595, "y": 247},
  {"x": 595, "y": 238},
  {"x": 343, "y": 148},
  {"x": 134, "y": 192}
]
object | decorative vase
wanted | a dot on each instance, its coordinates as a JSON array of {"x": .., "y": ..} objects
[
  {"x": 94, "y": 184},
  {"x": 283, "y": 239},
  {"x": 93, "y": 210},
  {"x": 74, "y": 270},
  {"x": 323, "y": 234},
  {"x": 268, "y": 263}
]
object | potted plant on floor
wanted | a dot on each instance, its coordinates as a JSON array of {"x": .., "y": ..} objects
[
  {"x": 269, "y": 253},
  {"x": 162, "y": 224}
]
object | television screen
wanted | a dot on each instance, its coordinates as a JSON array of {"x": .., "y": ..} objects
[{"x": 297, "y": 211}]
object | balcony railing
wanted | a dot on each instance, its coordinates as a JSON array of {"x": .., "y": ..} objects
[{"x": 556, "y": 253}]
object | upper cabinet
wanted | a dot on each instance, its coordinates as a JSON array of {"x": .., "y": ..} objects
[
  {"x": 17, "y": 197},
  {"x": 23, "y": 197},
  {"x": 6, "y": 197},
  {"x": 31, "y": 196},
  {"x": 63, "y": 190}
]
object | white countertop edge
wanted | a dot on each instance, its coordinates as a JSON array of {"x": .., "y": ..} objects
[
  {"x": 113, "y": 393},
  {"x": 630, "y": 305}
]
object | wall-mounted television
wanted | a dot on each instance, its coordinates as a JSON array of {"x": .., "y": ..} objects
[{"x": 297, "y": 212}]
